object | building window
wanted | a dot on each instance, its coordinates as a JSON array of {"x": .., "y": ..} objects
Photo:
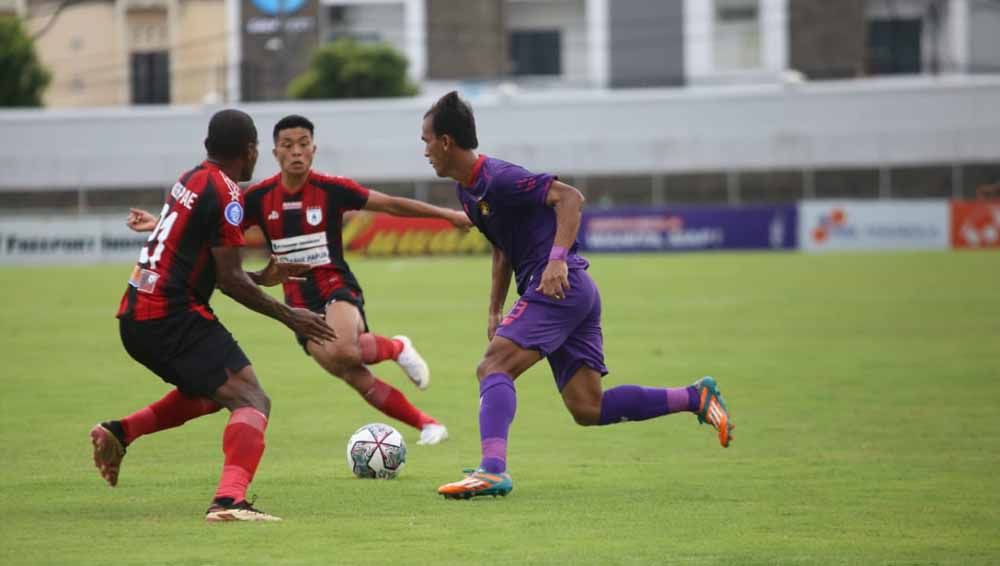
[
  {"x": 151, "y": 78},
  {"x": 737, "y": 35},
  {"x": 535, "y": 52},
  {"x": 894, "y": 46}
]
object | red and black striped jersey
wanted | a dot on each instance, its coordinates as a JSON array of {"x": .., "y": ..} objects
[
  {"x": 176, "y": 268},
  {"x": 305, "y": 227}
]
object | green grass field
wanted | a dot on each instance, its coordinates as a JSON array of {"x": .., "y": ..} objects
[{"x": 865, "y": 389}]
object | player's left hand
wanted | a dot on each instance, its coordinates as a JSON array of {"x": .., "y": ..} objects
[
  {"x": 459, "y": 220},
  {"x": 140, "y": 220},
  {"x": 276, "y": 273},
  {"x": 555, "y": 280}
]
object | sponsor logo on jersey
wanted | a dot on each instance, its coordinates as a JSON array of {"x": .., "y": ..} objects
[
  {"x": 312, "y": 256},
  {"x": 234, "y": 213},
  {"x": 273, "y": 215},
  {"x": 296, "y": 243},
  {"x": 314, "y": 215},
  {"x": 292, "y": 205},
  {"x": 307, "y": 248}
]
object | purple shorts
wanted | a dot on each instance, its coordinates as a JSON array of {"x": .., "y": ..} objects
[{"x": 567, "y": 332}]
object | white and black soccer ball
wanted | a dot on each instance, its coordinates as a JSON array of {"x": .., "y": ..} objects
[{"x": 376, "y": 450}]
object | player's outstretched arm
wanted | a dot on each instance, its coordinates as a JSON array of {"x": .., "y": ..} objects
[
  {"x": 140, "y": 220},
  {"x": 400, "y": 206},
  {"x": 568, "y": 203},
  {"x": 235, "y": 282},
  {"x": 502, "y": 271}
]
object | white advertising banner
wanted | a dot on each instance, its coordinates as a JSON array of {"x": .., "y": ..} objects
[
  {"x": 67, "y": 239},
  {"x": 874, "y": 225}
]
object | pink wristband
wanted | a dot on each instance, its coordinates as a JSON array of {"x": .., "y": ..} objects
[{"x": 558, "y": 252}]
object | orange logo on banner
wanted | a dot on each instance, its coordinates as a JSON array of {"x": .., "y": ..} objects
[{"x": 975, "y": 224}]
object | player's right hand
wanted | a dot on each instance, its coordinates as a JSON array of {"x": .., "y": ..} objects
[
  {"x": 311, "y": 325},
  {"x": 492, "y": 324},
  {"x": 140, "y": 220},
  {"x": 460, "y": 220}
]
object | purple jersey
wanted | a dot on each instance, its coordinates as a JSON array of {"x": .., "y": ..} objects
[{"x": 507, "y": 203}]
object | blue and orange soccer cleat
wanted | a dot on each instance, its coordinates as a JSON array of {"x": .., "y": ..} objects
[
  {"x": 476, "y": 483},
  {"x": 712, "y": 409}
]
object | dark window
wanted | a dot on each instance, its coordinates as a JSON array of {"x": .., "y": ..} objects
[
  {"x": 894, "y": 47},
  {"x": 696, "y": 188},
  {"x": 535, "y": 52},
  {"x": 606, "y": 192},
  {"x": 846, "y": 183},
  {"x": 927, "y": 181},
  {"x": 771, "y": 186},
  {"x": 151, "y": 78},
  {"x": 981, "y": 180}
]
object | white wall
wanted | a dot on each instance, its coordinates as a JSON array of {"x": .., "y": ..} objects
[
  {"x": 569, "y": 16},
  {"x": 863, "y": 123}
]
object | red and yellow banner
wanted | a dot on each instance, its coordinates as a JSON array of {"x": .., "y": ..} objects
[{"x": 384, "y": 235}]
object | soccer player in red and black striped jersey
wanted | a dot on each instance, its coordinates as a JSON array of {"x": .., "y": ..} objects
[
  {"x": 300, "y": 212},
  {"x": 166, "y": 323}
]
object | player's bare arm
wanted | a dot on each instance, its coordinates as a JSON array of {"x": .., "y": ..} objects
[
  {"x": 568, "y": 204},
  {"x": 502, "y": 271},
  {"x": 140, "y": 220},
  {"x": 235, "y": 282},
  {"x": 400, "y": 206}
]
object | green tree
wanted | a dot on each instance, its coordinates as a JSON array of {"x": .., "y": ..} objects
[
  {"x": 348, "y": 69},
  {"x": 22, "y": 77}
]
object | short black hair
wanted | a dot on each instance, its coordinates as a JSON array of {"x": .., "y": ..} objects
[
  {"x": 293, "y": 121},
  {"x": 453, "y": 116},
  {"x": 229, "y": 133}
]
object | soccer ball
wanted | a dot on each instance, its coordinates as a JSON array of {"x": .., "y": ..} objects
[{"x": 376, "y": 451}]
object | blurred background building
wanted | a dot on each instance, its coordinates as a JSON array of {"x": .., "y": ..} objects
[{"x": 635, "y": 101}]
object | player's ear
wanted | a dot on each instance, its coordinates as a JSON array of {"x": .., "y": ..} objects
[{"x": 446, "y": 142}]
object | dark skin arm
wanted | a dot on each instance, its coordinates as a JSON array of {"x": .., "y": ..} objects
[
  {"x": 235, "y": 282},
  {"x": 502, "y": 272},
  {"x": 568, "y": 203}
]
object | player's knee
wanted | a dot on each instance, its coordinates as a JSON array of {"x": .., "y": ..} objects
[
  {"x": 493, "y": 363},
  {"x": 585, "y": 413},
  {"x": 341, "y": 360}
]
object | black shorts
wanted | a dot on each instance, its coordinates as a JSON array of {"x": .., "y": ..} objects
[
  {"x": 185, "y": 350},
  {"x": 343, "y": 294}
]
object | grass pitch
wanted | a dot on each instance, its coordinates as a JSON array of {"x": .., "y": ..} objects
[{"x": 865, "y": 389}]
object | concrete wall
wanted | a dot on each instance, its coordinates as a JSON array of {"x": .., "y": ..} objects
[
  {"x": 466, "y": 39},
  {"x": 984, "y": 37},
  {"x": 647, "y": 42},
  {"x": 84, "y": 52},
  {"x": 827, "y": 39},
  {"x": 200, "y": 57},
  {"x": 824, "y": 125},
  {"x": 88, "y": 48}
]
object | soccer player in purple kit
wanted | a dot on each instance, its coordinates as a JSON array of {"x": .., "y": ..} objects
[{"x": 532, "y": 222}]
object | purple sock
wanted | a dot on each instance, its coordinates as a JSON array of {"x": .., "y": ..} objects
[
  {"x": 497, "y": 405},
  {"x": 635, "y": 403}
]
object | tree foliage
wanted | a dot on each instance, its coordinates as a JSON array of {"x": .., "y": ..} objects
[
  {"x": 348, "y": 69},
  {"x": 22, "y": 77}
]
